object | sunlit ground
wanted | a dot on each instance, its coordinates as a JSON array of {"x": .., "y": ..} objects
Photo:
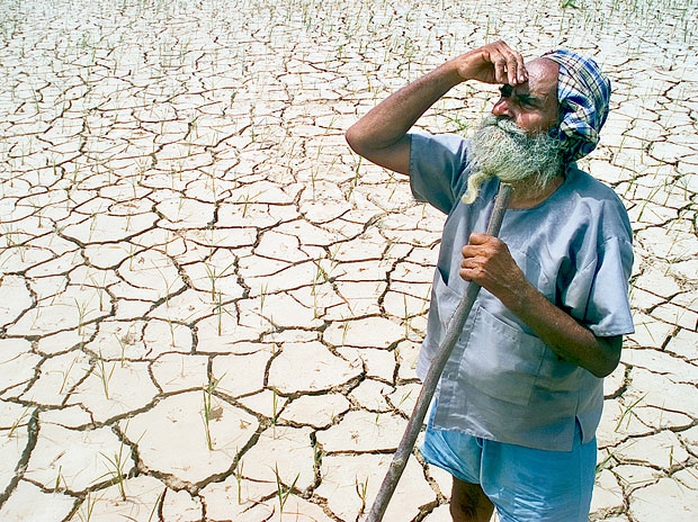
[{"x": 210, "y": 308}]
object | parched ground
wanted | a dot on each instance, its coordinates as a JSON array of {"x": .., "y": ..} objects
[{"x": 210, "y": 309}]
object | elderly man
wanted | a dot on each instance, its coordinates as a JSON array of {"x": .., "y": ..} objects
[{"x": 520, "y": 398}]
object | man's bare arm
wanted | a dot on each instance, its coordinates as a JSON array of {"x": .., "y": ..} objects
[
  {"x": 381, "y": 135},
  {"x": 487, "y": 261}
]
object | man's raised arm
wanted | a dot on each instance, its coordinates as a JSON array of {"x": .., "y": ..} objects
[{"x": 381, "y": 135}]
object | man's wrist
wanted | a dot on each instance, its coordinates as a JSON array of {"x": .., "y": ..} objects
[
  {"x": 525, "y": 300},
  {"x": 449, "y": 74}
]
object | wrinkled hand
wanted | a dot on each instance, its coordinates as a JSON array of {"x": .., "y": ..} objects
[
  {"x": 492, "y": 63},
  {"x": 488, "y": 262}
]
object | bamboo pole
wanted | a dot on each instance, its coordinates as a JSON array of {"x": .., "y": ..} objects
[{"x": 455, "y": 327}]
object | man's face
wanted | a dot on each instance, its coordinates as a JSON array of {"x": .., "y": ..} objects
[{"x": 532, "y": 105}]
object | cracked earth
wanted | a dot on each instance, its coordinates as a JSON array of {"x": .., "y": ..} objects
[{"x": 210, "y": 309}]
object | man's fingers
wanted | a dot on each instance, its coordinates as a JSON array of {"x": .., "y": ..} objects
[
  {"x": 508, "y": 64},
  {"x": 515, "y": 69},
  {"x": 480, "y": 247},
  {"x": 468, "y": 274},
  {"x": 500, "y": 69},
  {"x": 493, "y": 63},
  {"x": 476, "y": 238}
]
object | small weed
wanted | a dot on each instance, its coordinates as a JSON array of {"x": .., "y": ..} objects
[
  {"x": 115, "y": 466},
  {"x": 238, "y": 478},
  {"x": 274, "y": 406},
  {"x": 345, "y": 332},
  {"x": 220, "y": 310},
  {"x": 124, "y": 342},
  {"x": 66, "y": 374},
  {"x": 406, "y": 319},
  {"x": 213, "y": 276},
  {"x": 210, "y": 413},
  {"x": 403, "y": 399},
  {"x": 628, "y": 412},
  {"x": 246, "y": 200},
  {"x": 100, "y": 294},
  {"x": 104, "y": 374},
  {"x": 60, "y": 478},
  {"x": 263, "y": 296},
  {"x": 283, "y": 492},
  {"x": 87, "y": 508},
  {"x": 156, "y": 505},
  {"x": 361, "y": 490},
  {"x": 602, "y": 465},
  {"x": 18, "y": 422},
  {"x": 168, "y": 284},
  {"x": 355, "y": 180}
]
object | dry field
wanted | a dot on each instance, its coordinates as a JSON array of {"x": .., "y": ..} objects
[{"x": 210, "y": 309}]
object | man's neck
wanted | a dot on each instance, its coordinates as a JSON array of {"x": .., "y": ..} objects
[{"x": 525, "y": 195}]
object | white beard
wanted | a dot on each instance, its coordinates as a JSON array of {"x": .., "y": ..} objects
[{"x": 500, "y": 148}]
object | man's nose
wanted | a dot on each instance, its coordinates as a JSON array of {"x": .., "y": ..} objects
[{"x": 502, "y": 108}]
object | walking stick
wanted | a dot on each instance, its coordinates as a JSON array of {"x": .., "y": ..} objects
[{"x": 455, "y": 327}]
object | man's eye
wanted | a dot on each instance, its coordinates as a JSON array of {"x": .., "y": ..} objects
[{"x": 506, "y": 90}]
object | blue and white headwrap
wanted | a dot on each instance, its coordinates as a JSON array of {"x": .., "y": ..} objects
[{"x": 583, "y": 94}]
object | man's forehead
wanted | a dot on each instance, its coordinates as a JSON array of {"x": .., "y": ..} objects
[{"x": 542, "y": 77}]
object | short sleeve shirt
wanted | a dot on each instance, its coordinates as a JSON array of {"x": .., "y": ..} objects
[{"x": 501, "y": 381}]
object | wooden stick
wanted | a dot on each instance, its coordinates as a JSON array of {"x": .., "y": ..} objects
[{"x": 455, "y": 328}]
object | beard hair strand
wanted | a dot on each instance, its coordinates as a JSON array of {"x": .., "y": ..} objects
[{"x": 502, "y": 149}]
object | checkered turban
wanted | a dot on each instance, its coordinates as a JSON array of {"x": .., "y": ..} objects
[{"x": 583, "y": 94}]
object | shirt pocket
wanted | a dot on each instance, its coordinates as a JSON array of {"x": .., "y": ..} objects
[{"x": 501, "y": 360}]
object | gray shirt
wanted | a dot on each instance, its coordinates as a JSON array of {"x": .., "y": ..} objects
[{"x": 502, "y": 382}]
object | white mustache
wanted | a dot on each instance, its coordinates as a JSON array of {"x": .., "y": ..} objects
[{"x": 505, "y": 124}]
